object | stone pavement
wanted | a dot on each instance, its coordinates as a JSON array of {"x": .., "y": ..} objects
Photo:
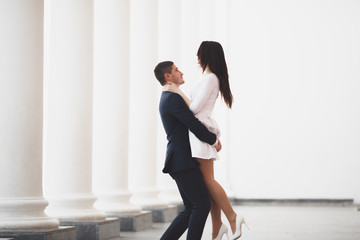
[{"x": 281, "y": 223}]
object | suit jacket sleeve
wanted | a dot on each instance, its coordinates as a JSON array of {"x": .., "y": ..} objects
[{"x": 182, "y": 112}]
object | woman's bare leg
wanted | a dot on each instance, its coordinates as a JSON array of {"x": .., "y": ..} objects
[
  {"x": 218, "y": 196},
  {"x": 215, "y": 213}
]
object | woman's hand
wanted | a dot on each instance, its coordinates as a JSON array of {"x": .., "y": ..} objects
[
  {"x": 171, "y": 88},
  {"x": 218, "y": 146},
  {"x": 175, "y": 89}
]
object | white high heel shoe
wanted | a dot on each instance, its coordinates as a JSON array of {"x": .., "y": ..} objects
[
  {"x": 239, "y": 222},
  {"x": 223, "y": 230}
]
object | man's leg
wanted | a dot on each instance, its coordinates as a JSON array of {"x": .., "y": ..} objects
[
  {"x": 197, "y": 206},
  {"x": 181, "y": 222}
]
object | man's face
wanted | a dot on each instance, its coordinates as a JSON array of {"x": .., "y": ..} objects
[{"x": 175, "y": 76}]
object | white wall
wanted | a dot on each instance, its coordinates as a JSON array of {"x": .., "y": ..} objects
[{"x": 294, "y": 127}]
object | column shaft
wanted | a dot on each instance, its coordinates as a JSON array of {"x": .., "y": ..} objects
[
  {"x": 111, "y": 107},
  {"x": 143, "y": 103},
  {"x": 21, "y": 87},
  {"x": 190, "y": 24},
  {"x": 221, "y": 112},
  {"x": 169, "y": 37},
  {"x": 68, "y": 99}
]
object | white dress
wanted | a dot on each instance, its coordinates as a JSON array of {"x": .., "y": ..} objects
[{"x": 203, "y": 98}]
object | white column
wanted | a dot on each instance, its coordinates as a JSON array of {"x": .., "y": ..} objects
[
  {"x": 111, "y": 107},
  {"x": 221, "y": 112},
  {"x": 207, "y": 20},
  {"x": 143, "y": 103},
  {"x": 190, "y": 29},
  {"x": 21, "y": 97},
  {"x": 169, "y": 38},
  {"x": 68, "y": 138}
]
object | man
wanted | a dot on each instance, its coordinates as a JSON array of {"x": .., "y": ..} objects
[{"x": 177, "y": 119}]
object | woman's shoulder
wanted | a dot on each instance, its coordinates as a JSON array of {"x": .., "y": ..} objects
[{"x": 212, "y": 79}]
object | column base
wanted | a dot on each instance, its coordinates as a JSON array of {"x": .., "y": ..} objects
[
  {"x": 112, "y": 209},
  {"x": 163, "y": 215},
  {"x": 95, "y": 230},
  {"x": 135, "y": 222},
  {"x": 25, "y": 214},
  {"x": 116, "y": 203},
  {"x": 148, "y": 198},
  {"x": 171, "y": 195},
  {"x": 61, "y": 233},
  {"x": 74, "y": 208},
  {"x": 180, "y": 207}
]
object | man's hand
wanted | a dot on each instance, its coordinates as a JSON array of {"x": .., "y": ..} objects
[{"x": 218, "y": 146}]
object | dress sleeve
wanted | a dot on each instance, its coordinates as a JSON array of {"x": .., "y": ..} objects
[{"x": 207, "y": 86}]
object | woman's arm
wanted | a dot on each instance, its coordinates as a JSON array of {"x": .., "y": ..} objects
[
  {"x": 186, "y": 99},
  {"x": 207, "y": 86},
  {"x": 175, "y": 88}
]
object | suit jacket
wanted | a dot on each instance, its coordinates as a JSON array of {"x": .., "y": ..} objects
[{"x": 178, "y": 120}]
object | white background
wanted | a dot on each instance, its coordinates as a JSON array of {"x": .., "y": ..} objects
[
  {"x": 294, "y": 70},
  {"x": 295, "y": 74}
]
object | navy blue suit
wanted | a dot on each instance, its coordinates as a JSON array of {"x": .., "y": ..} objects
[{"x": 177, "y": 120}]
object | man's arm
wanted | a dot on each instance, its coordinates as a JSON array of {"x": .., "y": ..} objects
[{"x": 181, "y": 111}]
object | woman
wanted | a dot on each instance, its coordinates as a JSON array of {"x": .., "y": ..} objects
[{"x": 203, "y": 97}]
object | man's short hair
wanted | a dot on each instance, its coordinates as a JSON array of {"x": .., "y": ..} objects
[{"x": 161, "y": 69}]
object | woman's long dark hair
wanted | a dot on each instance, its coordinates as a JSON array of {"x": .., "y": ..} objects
[{"x": 211, "y": 54}]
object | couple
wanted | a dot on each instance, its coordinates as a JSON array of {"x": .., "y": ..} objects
[{"x": 193, "y": 145}]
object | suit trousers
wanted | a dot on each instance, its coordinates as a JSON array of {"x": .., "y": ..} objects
[{"x": 195, "y": 196}]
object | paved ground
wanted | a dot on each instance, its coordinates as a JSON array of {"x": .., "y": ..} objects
[{"x": 282, "y": 223}]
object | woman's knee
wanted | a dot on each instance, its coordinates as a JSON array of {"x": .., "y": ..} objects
[{"x": 209, "y": 181}]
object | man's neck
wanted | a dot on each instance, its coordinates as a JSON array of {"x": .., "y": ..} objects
[{"x": 167, "y": 83}]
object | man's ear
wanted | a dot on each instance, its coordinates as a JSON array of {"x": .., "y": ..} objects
[{"x": 167, "y": 76}]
